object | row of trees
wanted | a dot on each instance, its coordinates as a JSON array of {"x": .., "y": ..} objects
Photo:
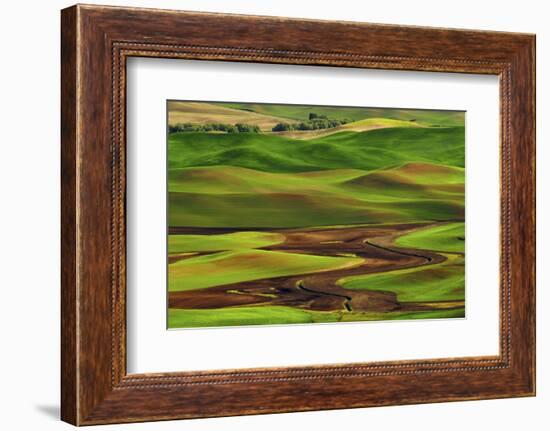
[
  {"x": 315, "y": 122},
  {"x": 214, "y": 127}
]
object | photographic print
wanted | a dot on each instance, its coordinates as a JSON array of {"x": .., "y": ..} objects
[{"x": 303, "y": 214}]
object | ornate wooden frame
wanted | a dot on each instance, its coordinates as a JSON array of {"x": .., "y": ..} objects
[{"x": 96, "y": 41}]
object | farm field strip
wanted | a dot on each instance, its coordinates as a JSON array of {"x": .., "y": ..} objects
[{"x": 326, "y": 291}]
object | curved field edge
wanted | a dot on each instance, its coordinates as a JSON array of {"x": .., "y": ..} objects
[
  {"x": 429, "y": 283},
  {"x": 440, "y": 282},
  {"x": 222, "y": 242},
  {"x": 230, "y": 267},
  {"x": 445, "y": 238},
  {"x": 277, "y": 315}
]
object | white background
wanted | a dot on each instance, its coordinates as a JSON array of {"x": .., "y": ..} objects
[
  {"x": 151, "y": 348},
  {"x": 29, "y": 232}
]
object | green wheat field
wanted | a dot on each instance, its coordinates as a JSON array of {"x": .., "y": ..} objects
[{"x": 293, "y": 214}]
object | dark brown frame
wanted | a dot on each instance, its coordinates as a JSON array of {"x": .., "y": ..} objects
[{"x": 96, "y": 41}]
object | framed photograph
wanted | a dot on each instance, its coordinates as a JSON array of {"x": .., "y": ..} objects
[
  {"x": 258, "y": 208},
  {"x": 293, "y": 214}
]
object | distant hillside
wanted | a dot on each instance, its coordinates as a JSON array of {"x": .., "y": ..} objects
[
  {"x": 207, "y": 113},
  {"x": 301, "y": 112},
  {"x": 354, "y": 126}
]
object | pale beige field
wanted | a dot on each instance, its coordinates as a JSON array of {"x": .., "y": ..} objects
[{"x": 202, "y": 113}]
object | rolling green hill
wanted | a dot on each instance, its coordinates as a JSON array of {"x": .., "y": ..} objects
[
  {"x": 417, "y": 178},
  {"x": 396, "y": 174},
  {"x": 369, "y": 150},
  {"x": 228, "y": 196}
]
